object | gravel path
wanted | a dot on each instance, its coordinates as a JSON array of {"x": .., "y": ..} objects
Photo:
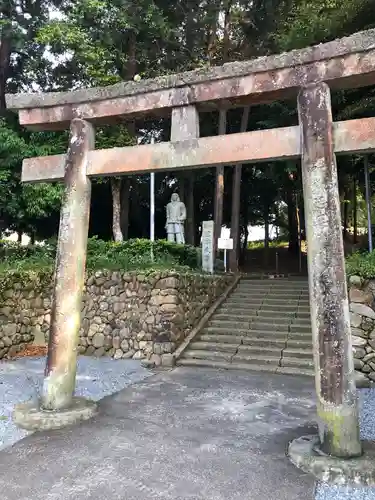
[
  {"x": 96, "y": 377},
  {"x": 367, "y": 423}
]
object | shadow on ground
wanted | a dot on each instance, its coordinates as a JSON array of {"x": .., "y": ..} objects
[{"x": 180, "y": 435}]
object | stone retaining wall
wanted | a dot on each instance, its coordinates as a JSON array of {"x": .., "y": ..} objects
[
  {"x": 362, "y": 320},
  {"x": 124, "y": 315}
]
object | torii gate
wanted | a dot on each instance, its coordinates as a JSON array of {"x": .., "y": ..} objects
[{"x": 308, "y": 73}]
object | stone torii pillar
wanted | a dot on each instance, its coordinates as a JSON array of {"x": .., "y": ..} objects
[
  {"x": 334, "y": 366},
  {"x": 336, "y": 453},
  {"x": 58, "y": 406}
]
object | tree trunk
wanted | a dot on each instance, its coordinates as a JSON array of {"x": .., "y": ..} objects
[
  {"x": 236, "y": 199},
  {"x": 219, "y": 189},
  {"x": 19, "y": 236},
  {"x": 125, "y": 206},
  {"x": 244, "y": 243},
  {"x": 292, "y": 222},
  {"x": 120, "y": 217},
  {"x": 116, "y": 209},
  {"x": 266, "y": 234},
  {"x": 355, "y": 219},
  {"x": 5, "y": 52},
  {"x": 345, "y": 215}
]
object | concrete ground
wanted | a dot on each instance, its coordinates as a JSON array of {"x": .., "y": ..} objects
[{"x": 179, "y": 435}]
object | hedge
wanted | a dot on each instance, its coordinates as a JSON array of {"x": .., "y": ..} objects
[{"x": 130, "y": 254}]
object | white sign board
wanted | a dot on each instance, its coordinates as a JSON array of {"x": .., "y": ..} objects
[
  {"x": 208, "y": 246},
  {"x": 225, "y": 243}
]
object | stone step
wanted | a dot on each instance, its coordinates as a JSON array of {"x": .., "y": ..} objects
[
  {"x": 230, "y": 324},
  {"x": 262, "y": 342},
  {"x": 240, "y": 323},
  {"x": 219, "y": 339},
  {"x": 200, "y": 345},
  {"x": 300, "y": 343},
  {"x": 270, "y": 351},
  {"x": 251, "y": 315},
  {"x": 257, "y": 303},
  {"x": 234, "y": 316},
  {"x": 209, "y": 355},
  {"x": 257, "y": 359},
  {"x": 276, "y": 334},
  {"x": 244, "y": 367},
  {"x": 268, "y": 324},
  {"x": 262, "y": 296},
  {"x": 255, "y": 292},
  {"x": 250, "y": 350},
  {"x": 245, "y": 309},
  {"x": 298, "y": 352},
  {"x": 225, "y": 365},
  {"x": 288, "y": 370},
  {"x": 297, "y": 363},
  {"x": 285, "y": 285},
  {"x": 301, "y": 327}
]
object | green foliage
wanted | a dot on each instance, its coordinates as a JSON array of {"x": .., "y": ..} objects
[
  {"x": 131, "y": 254},
  {"x": 26, "y": 207},
  {"x": 361, "y": 264},
  {"x": 102, "y": 42},
  {"x": 257, "y": 245}
]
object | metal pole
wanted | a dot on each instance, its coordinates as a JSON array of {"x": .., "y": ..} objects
[
  {"x": 225, "y": 259},
  {"x": 152, "y": 208},
  {"x": 368, "y": 203}
]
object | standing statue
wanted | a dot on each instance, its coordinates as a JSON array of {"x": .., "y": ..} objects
[{"x": 176, "y": 216}]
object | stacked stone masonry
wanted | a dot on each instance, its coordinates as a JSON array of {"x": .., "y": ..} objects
[
  {"x": 362, "y": 320},
  {"x": 124, "y": 315}
]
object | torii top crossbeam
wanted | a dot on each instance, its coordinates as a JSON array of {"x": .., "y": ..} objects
[{"x": 348, "y": 62}]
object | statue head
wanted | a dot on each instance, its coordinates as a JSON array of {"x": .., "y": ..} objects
[{"x": 175, "y": 197}]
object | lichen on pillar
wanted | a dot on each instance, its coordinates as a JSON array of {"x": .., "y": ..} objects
[
  {"x": 334, "y": 367},
  {"x": 60, "y": 371}
]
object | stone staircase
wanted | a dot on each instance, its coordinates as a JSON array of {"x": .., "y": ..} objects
[{"x": 264, "y": 325}]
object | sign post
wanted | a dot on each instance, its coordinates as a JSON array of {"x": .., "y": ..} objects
[
  {"x": 208, "y": 246},
  {"x": 225, "y": 244}
]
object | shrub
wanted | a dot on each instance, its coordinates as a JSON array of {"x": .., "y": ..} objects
[
  {"x": 101, "y": 254},
  {"x": 361, "y": 264}
]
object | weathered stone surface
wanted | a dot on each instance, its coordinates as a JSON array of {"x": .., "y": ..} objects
[
  {"x": 355, "y": 320},
  {"x": 358, "y": 332},
  {"x": 118, "y": 354},
  {"x": 367, "y": 324},
  {"x": 360, "y": 296},
  {"x": 358, "y": 364},
  {"x": 355, "y": 281},
  {"x": 358, "y": 341},
  {"x": 369, "y": 357},
  {"x": 362, "y": 310},
  {"x": 123, "y": 314},
  {"x": 359, "y": 352},
  {"x": 98, "y": 340}
]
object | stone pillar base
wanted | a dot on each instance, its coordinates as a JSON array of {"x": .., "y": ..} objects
[
  {"x": 305, "y": 454},
  {"x": 31, "y": 417}
]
